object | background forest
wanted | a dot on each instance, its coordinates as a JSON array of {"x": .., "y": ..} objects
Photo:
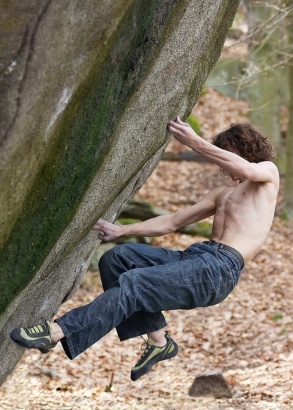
[{"x": 249, "y": 336}]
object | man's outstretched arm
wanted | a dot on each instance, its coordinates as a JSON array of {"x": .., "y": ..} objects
[
  {"x": 163, "y": 224},
  {"x": 232, "y": 163}
]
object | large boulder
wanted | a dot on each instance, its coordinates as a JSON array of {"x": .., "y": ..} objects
[{"x": 87, "y": 89}]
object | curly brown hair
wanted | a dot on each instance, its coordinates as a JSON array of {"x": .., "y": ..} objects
[{"x": 246, "y": 141}]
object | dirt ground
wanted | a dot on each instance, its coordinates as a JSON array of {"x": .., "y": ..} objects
[{"x": 248, "y": 337}]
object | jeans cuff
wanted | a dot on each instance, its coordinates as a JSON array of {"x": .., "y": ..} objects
[{"x": 66, "y": 343}]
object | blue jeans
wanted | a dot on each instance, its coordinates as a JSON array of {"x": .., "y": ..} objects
[{"x": 140, "y": 281}]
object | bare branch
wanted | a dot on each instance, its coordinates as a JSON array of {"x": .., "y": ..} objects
[{"x": 282, "y": 13}]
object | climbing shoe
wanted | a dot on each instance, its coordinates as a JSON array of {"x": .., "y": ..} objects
[
  {"x": 153, "y": 354},
  {"x": 35, "y": 337}
]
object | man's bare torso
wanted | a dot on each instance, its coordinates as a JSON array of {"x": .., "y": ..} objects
[{"x": 244, "y": 216}]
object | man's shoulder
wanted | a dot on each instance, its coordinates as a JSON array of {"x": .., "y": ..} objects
[
  {"x": 268, "y": 164},
  {"x": 264, "y": 172},
  {"x": 273, "y": 169}
]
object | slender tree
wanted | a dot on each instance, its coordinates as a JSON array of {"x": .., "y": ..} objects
[
  {"x": 288, "y": 200},
  {"x": 266, "y": 68}
]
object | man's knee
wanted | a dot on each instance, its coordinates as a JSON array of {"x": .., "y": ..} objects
[
  {"x": 105, "y": 260},
  {"x": 121, "y": 256},
  {"x": 114, "y": 262},
  {"x": 111, "y": 257}
]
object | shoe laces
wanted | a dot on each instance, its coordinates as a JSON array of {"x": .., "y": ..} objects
[
  {"x": 146, "y": 347},
  {"x": 44, "y": 326}
]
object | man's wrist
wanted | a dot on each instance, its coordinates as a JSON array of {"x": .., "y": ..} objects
[{"x": 124, "y": 230}]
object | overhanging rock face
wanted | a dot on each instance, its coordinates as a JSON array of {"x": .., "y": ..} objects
[{"x": 87, "y": 89}]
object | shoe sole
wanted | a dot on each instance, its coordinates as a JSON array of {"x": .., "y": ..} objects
[{"x": 28, "y": 344}]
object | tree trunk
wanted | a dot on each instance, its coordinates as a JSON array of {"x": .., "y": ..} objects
[
  {"x": 288, "y": 200},
  {"x": 266, "y": 72}
]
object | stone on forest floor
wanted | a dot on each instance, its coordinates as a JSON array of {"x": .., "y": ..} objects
[{"x": 210, "y": 384}]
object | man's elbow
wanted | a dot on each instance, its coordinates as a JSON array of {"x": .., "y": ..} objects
[{"x": 255, "y": 173}]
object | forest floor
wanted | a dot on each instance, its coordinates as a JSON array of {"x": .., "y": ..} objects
[{"x": 248, "y": 337}]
